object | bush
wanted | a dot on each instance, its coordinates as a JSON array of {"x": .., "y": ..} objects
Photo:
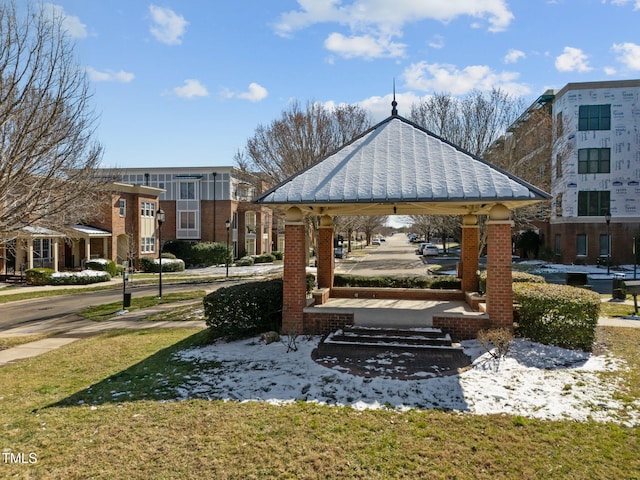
[
  {"x": 311, "y": 282},
  {"x": 557, "y": 315},
  {"x": 168, "y": 255},
  {"x": 102, "y": 265},
  {"x": 39, "y": 276},
  {"x": 152, "y": 265},
  {"x": 244, "y": 262},
  {"x": 264, "y": 258},
  {"x": 85, "y": 277},
  {"x": 439, "y": 282},
  {"x": 244, "y": 310},
  {"x": 278, "y": 255},
  {"x": 200, "y": 254},
  {"x": 516, "y": 277}
]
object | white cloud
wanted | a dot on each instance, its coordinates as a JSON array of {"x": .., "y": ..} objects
[
  {"x": 72, "y": 24},
  {"x": 191, "y": 89},
  {"x": 636, "y": 3},
  {"x": 437, "y": 42},
  {"x": 446, "y": 78},
  {"x": 391, "y": 16},
  {"x": 168, "y": 27},
  {"x": 629, "y": 54},
  {"x": 364, "y": 46},
  {"x": 110, "y": 76},
  {"x": 572, "y": 60},
  {"x": 610, "y": 71},
  {"x": 373, "y": 24},
  {"x": 255, "y": 93},
  {"x": 514, "y": 55}
]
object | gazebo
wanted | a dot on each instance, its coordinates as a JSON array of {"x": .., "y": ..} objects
[{"x": 399, "y": 168}]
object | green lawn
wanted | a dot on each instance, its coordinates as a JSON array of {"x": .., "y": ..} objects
[{"x": 64, "y": 408}]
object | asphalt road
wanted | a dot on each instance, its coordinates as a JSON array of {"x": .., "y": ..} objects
[
  {"x": 395, "y": 256},
  {"x": 21, "y": 313}
]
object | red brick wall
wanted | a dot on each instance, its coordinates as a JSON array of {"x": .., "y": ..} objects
[
  {"x": 499, "y": 288},
  {"x": 325, "y": 257},
  {"x": 324, "y": 323},
  {"x": 461, "y": 328},
  {"x": 469, "y": 258},
  {"x": 398, "y": 293},
  {"x": 294, "y": 295}
]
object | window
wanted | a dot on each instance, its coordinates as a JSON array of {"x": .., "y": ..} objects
[
  {"x": 559, "y": 205},
  {"x": 148, "y": 244},
  {"x": 581, "y": 245},
  {"x": 594, "y": 117},
  {"x": 591, "y": 204},
  {"x": 188, "y": 220},
  {"x": 558, "y": 249},
  {"x": 187, "y": 190},
  {"x": 122, "y": 204},
  {"x": 604, "y": 245},
  {"x": 559, "y": 125},
  {"x": 594, "y": 160},
  {"x": 148, "y": 209}
]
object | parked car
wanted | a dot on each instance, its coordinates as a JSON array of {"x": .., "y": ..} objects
[
  {"x": 430, "y": 250},
  {"x": 338, "y": 252},
  {"x": 420, "y": 248},
  {"x": 375, "y": 241}
]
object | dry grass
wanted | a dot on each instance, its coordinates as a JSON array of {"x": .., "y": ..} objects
[{"x": 64, "y": 407}]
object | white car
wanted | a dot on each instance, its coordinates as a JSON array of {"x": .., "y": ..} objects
[{"x": 430, "y": 250}]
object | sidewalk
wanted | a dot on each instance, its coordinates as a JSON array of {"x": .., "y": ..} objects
[{"x": 71, "y": 328}]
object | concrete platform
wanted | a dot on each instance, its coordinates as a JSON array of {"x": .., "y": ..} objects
[{"x": 396, "y": 313}]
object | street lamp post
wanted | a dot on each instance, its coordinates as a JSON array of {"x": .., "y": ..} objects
[
  {"x": 215, "y": 174},
  {"x": 227, "y": 224},
  {"x": 161, "y": 218},
  {"x": 607, "y": 218}
]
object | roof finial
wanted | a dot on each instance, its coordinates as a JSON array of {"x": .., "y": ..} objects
[{"x": 394, "y": 104}]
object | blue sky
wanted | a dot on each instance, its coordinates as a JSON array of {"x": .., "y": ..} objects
[{"x": 186, "y": 82}]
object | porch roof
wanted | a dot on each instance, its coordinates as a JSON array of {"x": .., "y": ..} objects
[
  {"x": 398, "y": 167},
  {"x": 92, "y": 232}
]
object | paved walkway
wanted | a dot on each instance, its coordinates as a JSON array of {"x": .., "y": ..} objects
[{"x": 71, "y": 328}]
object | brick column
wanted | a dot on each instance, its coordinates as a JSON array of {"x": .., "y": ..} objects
[
  {"x": 469, "y": 253},
  {"x": 326, "y": 259},
  {"x": 294, "y": 282},
  {"x": 499, "y": 288}
]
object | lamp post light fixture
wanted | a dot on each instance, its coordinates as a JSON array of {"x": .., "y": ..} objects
[
  {"x": 607, "y": 218},
  {"x": 227, "y": 224},
  {"x": 215, "y": 174},
  {"x": 161, "y": 218}
]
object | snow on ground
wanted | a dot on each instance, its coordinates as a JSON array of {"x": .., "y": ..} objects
[{"x": 533, "y": 380}]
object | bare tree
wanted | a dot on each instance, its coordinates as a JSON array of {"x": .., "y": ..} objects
[
  {"x": 47, "y": 156},
  {"x": 301, "y": 137}
]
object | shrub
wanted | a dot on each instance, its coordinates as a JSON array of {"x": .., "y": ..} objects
[
  {"x": 557, "y": 315},
  {"x": 168, "y": 255},
  {"x": 200, "y": 254},
  {"x": 39, "y": 276},
  {"x": 279, "y": 255},
  {"x": 102, "y": 265},
  {"x": 85, "y": 277},
  {"x": 180, "y": 248},
  {"x": 311, "y": 282},
  {"x": 264, "y": 258},
  {"x": 244, "y": 262},
  {"x": 152, "y": 265},
  {"x": 440, "y": 282},
  {"x": 244, "y": 310},
  {"x": 500, "y": 338},
  {"x": 516, "y": 277}
]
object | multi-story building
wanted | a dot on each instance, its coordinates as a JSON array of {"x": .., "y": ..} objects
[
  {"x": 595, "y": 172},
  {"x": 198, "y": 201}
]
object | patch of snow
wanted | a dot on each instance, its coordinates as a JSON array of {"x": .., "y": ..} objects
[{"x": 533, "y": 380}]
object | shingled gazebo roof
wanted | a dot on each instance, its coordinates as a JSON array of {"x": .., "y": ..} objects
[{"x": 398, "y": 167}]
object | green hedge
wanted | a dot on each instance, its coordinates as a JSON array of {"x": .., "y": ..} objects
[
  {"x": 264, "y": 258},
  {"x": 152, "y": 265},
  {"x": 199, "y": 254},
  {"x": 245, "y": 262},
  {"x": 244, "y": 310},
  {"x": 102, "y": 265},
  {"x": 438, "y": 282},
  {"x": 46, "y": 276},
  {"x": 557, "y": 315},
  {"x": 39, "y": 276},
  {"x": 516, "y": 277}
]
